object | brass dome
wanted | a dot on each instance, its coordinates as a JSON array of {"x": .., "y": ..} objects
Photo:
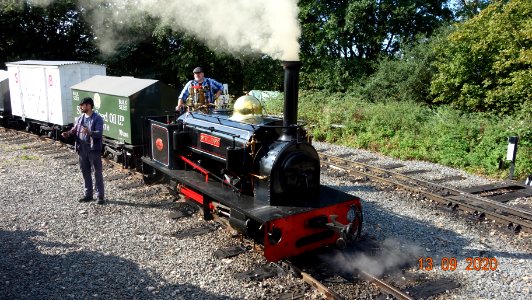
[{"x": 247, "y": 109}]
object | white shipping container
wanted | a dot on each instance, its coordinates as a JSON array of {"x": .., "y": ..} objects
[{"x": 40, "y": 90}]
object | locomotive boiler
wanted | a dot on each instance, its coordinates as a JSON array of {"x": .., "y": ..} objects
[{"x": 261, "y": 172}]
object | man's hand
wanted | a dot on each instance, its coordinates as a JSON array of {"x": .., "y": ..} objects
[
  {"x": 65, "y": 134},
  {"x": 179, "y": 105}
]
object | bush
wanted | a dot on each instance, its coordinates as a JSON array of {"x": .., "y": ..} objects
[
  {"x": 474, "y": 142},
  {"x": 485, "y": 65}
]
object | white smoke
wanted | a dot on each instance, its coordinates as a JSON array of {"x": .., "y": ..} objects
[
  {"x": 262, "y": 26},
  {"x": 393, "y": 254}
]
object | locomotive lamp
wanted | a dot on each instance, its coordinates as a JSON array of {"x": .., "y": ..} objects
[{"x": 511, "y": 153}]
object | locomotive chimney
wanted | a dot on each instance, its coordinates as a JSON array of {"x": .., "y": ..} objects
[{"x": 291, "y": 86}]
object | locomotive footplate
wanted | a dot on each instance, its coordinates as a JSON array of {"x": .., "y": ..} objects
[{"x": 332, "y": 218}]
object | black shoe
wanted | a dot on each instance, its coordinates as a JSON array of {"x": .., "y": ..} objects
[
  {"x": 85, "y": 199},
  {"x": 100, "y": 201}
]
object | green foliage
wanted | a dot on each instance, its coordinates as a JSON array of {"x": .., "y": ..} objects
[
  {"x": 28, "y": 157},
  {"x": 485, "y": 65},
  {"x": 470, "y": 8},
  {"x": 142, "y": 47},
  {"x": 341, "y": 40},
  {"x": 363, "y": 51},
  {"x": 54, "y": 32},
  {"x": 407, "y": 75},
  {"x": 475, "y": 142}
]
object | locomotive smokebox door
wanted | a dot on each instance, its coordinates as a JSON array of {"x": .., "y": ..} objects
[{"x": 292, "y": 175}]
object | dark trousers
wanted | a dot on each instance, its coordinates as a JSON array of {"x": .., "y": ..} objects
[{"x": 88, "y": 161}]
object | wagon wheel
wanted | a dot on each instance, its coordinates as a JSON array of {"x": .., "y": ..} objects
[
  {"x": 113, "y": 157},
  {"x": 117, "y": 158}
]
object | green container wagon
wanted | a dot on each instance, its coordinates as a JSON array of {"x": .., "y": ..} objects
[{"x": 123, "y": 102}]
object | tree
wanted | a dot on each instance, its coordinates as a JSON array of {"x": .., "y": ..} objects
[
  {"x": 342, "y": 39},
  {"x": 56, "y": 31},
  {"x": 485, "y": 65},
  {"x": 407, "y": 75},
  {"x": 466, "y": 9}
]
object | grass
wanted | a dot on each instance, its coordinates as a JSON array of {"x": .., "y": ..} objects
[
  {"x": 28, "y": 157},
  {"x": 474, "y": 142}
]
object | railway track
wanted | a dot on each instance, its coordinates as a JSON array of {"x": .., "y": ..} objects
[
  {"x": 385, "y": 287},
  {"x": 467, "y": 200}
]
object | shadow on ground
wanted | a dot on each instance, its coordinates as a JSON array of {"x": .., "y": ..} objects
[{"x": 27, "y": 273}]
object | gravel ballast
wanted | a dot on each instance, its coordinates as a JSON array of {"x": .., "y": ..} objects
[{"x": 53, "y": 247}]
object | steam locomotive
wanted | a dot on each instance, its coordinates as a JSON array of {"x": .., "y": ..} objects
[{"x": 260, "y": 172}]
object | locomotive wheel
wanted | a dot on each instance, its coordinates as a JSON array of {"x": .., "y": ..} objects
[{"x": 355, "y": 228}]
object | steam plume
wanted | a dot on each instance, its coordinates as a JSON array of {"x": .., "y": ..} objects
[{"x": 262, "y": 26}]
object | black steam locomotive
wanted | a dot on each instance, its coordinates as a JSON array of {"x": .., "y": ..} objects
[{"x": 259, "y": 171}]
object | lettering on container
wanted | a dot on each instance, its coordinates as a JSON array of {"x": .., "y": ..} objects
[
  {"x": 123, "y": 133},
  {"x": 116, "y": 119},
  {"x": 75, "y": 96},
  {"x": 122, "y": 104}
]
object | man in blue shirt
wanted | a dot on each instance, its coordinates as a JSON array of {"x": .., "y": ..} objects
[
  {"x": 201, "y": 90},
  {"x": 88, "y": 129}
]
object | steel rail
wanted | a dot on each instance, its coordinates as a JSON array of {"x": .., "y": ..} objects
[
  {"x": 62, "y": 145},
  {"x": 385, "y": 286},
  {"x": 423, "y": 183},
  {"x": 496, "y": 211},
  {"x": 449, "y": 191},
  {"x": 325, "y": 291},
  {"x": 329, "y": 294}
]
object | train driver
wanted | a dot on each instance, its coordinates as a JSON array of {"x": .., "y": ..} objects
[{"x": 200, "y": 91}]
